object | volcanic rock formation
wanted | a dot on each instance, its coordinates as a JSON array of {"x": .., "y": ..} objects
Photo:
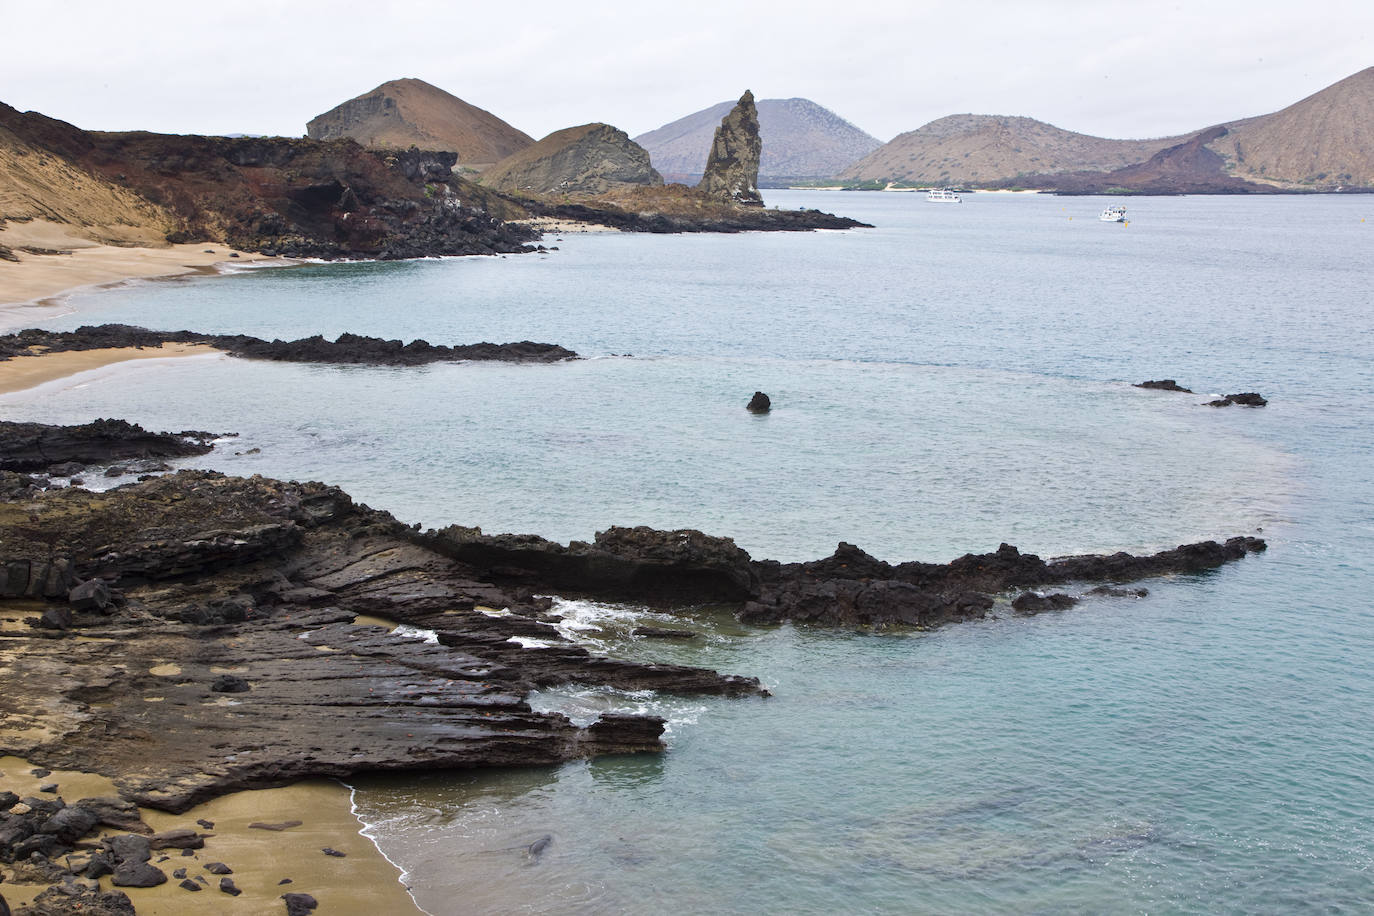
[
  {"x": 591, "y": 159},
  {"x": 801, "y": 141},
  {"x": 732, "y": 167},
  {"x": 410, "y": 112}
]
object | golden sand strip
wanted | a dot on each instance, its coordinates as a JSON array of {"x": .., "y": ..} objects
[
  {"x": 361, "y": 883},
  {"x": 23, "y": 372},
  {"x": 85, "y": 263}
]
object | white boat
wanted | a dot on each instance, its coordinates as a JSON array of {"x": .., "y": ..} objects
[
  {"x": 1114, "y": 214},
  {"x": 943, "y": 195}
]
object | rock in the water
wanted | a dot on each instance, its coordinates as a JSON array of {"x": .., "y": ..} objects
[
  {"x": 1244, "y": 399},
  {"x": 1034, "y": 603},
  {"x": 1164, "y": 384},
  {"x": 662, "y": 633},
  {"x": 590, "y": 159},
  {"x": 732, "y": 167},
  {"x": 759, "y": 403},
  {"x": 330, "y": 851}
]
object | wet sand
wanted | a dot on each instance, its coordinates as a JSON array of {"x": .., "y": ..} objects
[
  {"x": 23, "y": 372},
  {"x": 362, "y": 883}
]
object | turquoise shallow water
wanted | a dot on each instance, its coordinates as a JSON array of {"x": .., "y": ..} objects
[{"x": 954, "y": 378}]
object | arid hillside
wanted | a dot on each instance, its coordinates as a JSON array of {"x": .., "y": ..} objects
[
  {"x": 979, "y": 149},
  {"x": 410, "y": 112},
  {"x": 1323, "y": 141},
  {"x": 37, "y": 184}
]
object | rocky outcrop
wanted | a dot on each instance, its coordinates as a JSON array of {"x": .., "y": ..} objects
[
  {"x": 636, "y": 564},
  {"x": 264, "y": 579},
  {"x": 1163, "y": 384},
  {"x": 591, "y": 159},
  {"x": 801, "y": 141},
  {"x": 31, "y": 447},
  {"x": 678, "y": 209},
  {"x": 1244, "y": 398},
  {"x": 849, "y": 588},
  {"x": 732, "y": 166},
  {"x": 346, "y": 349}
]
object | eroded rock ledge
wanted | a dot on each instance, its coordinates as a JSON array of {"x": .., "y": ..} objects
[
  {"x": 849, "y": 588},
  {"x": 351, "y": 349},
  {"x": 220, "y": 652}
]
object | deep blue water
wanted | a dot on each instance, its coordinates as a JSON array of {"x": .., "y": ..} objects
[{"x": 957, "y": 377}]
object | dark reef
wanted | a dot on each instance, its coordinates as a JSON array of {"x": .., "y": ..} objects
[{"x": 351, "y": 349}]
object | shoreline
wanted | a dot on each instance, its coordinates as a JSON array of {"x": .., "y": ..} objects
[
  {"x": 20, "y": 373},
  {"x": 362, "y": 882},
  {"x": 32, "y": 285}
]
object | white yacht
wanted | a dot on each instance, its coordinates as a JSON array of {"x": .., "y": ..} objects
[
  {"x": 943, "y": 195},
  {"x": 1114, "y": 214}
]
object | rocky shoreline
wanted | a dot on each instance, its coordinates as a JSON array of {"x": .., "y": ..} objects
[
  {"x": 351, "y": 349},
  {"x": 194, "y": 634}
]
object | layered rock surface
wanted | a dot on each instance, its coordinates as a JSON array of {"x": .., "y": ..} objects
[
  {"x": 262, "y": 580},
  {"x": 732, "y": 166},
  {"x": 590, "y": 159}
]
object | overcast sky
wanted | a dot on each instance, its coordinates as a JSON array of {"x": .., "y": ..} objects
[{"x": 1104, "y": 67}]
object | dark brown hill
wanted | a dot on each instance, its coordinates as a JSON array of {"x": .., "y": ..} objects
[
  {"x": 409, "y": 112},
  {"x": 590, "y": 159}
]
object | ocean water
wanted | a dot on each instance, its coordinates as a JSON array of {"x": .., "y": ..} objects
[{"x": 957, "y": 377}]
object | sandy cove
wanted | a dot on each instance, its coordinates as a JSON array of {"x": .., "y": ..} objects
[
  {"x": 360, "y": 883},
  {"x": 82, "y": 263},
  {"x": 24, "y": 372}
]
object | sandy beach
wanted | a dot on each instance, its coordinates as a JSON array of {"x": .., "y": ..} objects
[
  {"x": 23, "y": 372},
  {"x": 359, "y": 883},
  {"x": 81, "y": 263}
]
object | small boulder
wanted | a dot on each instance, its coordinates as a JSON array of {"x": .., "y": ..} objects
[
  {"x": 1034, "y": 602},
  {"x": 219, "y": 868},
  {"x": 299, "y": 904},
  {"x": 137, "y": 874},
  {"x": 759, "y": 403},
  {"x": 228, "y": 683},
  {"x": 189, "y": 885},
  {"x": 227, "y": 886},
  {"x": 92, "y": 595}
]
